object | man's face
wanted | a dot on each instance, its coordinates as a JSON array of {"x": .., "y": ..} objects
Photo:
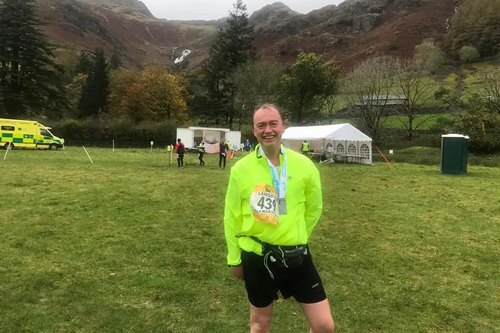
[{"x": 268, "y": 127}]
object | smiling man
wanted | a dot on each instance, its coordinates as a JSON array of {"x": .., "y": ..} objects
[{"x": 273, "y": 203}]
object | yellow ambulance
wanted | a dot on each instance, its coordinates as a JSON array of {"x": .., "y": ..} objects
[{"x": 27, "y": 134}]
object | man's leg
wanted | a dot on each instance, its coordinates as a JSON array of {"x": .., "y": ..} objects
[
  {"x": 224, "y": 161},
  {"x": 220, "y": 160},
  {"x": 260, "y": 319},
  {"x": 319, "y": 316},
  {"x": 261, "y": 291},
  {"x": 308, "y": 290},
  {"x": 178, "y": 161},
  {"x": 182, "y": 160}
]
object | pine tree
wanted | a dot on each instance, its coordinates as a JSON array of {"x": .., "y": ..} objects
[
  {"x": 115, "y": 62},
  {"x": 94, "y": 100},
  {"x": 31, "y": 83},
  {"x": 232, "y": 48},
  {"x": 84, "y": 64}
]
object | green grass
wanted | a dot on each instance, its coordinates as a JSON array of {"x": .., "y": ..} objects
[
  {"x": 395, "y": 121},
  {"x": 131, "y": 244},
  {"x": 429, "y": 155}
]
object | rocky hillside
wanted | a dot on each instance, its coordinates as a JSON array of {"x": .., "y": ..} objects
[
  {"x": 138, "y": 38},
  {"x": 130, "y": 7},
  {"x": 271, "y": 15},
  {"x": 357, "y": 29},
  {"x": 349, "y": 32}
]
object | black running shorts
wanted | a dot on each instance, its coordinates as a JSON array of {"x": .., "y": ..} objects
[{"x": 303, "y": 282}]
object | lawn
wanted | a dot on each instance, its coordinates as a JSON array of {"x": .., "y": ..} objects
[{"x": 131, "y": 244}]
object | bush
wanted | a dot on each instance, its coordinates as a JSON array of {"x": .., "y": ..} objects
[
  {"x": 468, "y": 54},
  {"x": 103, "y": 131},
  {"x": 429, "y": 55}
]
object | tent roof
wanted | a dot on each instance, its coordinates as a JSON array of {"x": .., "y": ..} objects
[
  {"x": 331, "y": 132},
  {"x": 209, "y": 129}
]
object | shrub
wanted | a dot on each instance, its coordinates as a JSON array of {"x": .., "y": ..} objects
[{"x": 468, "y": 54}]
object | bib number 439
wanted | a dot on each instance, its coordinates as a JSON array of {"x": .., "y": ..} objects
[
  {"x": 264, "y": 204},
  {"x": 267, "y": 203}
]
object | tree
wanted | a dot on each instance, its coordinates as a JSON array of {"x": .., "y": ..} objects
[
  {"x": 84, "y": 64},
  {"x": 468, "y": 54},
  {"x": 95, "y": 93},
  {"x": 157, "y": 95},
  {"x": 418, "y": 90},
  {"x": 232, "y": 48},
  {"x": 428, "y": 55},
  {"x": 120, "y": 80},
  {"x": 306, "y": 85},
  {"x": 115, "y": 62},
  {"x": 480, "y": 118},
  {"x": 368, "y": 89},
  {"x": 74, "y": 93},
  {"x": 31, "y": 83},
  {"x": 490, "y": 90},
  {"x": 256, "y": 82},
  {"x": 475, "y": 23}
]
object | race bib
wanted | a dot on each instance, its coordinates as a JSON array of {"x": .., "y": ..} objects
[{"x": 264, "y": 204}]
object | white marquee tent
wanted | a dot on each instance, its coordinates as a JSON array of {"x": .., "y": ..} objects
[{"x": 341, "y": 142}]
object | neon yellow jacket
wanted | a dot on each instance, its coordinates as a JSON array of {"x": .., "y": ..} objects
[{"x": 303, "y": 196}]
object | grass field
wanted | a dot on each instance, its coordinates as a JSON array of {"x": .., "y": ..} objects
[{"x": 131, "y": 244}]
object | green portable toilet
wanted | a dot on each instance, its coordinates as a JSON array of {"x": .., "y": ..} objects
[{"x": 454, "y": 154}]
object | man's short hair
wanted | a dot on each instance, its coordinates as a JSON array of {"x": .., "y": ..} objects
[{"x": 268, "y": 106}]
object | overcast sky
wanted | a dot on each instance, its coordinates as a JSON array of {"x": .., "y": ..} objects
[{"x": 215, "y": 9}]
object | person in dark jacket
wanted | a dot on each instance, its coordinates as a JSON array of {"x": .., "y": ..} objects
[
  {"x": 223, "y": 149},
  {"x": 180, "y": 150}
]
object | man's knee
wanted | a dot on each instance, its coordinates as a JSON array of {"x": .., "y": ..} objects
[
  {"x": 325, "y": 326},
  {"x": 260, "y": 325}
]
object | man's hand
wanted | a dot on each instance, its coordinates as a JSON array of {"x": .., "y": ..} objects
[{"x": 237, "y": 272}]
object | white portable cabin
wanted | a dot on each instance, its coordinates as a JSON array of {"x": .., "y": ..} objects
[
  {"x": 192, "y": 136},
  {"x": 341, "y": 142}
]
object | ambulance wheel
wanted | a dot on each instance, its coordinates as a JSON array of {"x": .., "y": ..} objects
[
  {"x": 7, "y": 146},
  {"x": 53, "y": 147}
]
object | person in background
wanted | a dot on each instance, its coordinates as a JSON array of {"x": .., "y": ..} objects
[
  {"x": 229, "y": 150},
  {"x": 201, "y": 153},
  {"x": 248, "y": 146},
  {"x": 304, "y": 148},
  {"x": 180, "y": 150},
  {"x": 223, "y": 149}
]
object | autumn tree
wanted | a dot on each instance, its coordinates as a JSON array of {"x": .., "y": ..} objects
[
  {"x": 31, "y": 83},
  {"x": 232, "y": 48},
  {"x": 119, "y": 81},
  {"x": 157, "y": 95},
  {"x": 368, "y": 89},
  {"x": 306, "y": 85}
]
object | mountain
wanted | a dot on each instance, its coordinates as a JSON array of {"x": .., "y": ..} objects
[
  {"x": 131, "y": 7},
  {"x": 349, "y": 32},
  {"x": 357, "y": 29},
  {"x": 271, "y": 15},
  {"x": 137, "y": 37}
]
